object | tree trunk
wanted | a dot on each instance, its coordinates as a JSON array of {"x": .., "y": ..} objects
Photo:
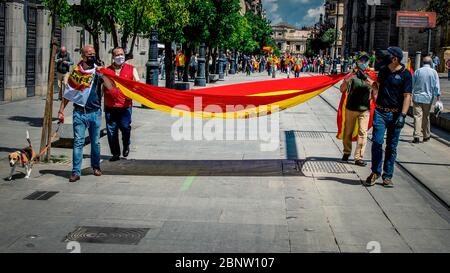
[
  {"x": 124, "y": 40},
  {"x": 113, "y": 32},
  {"x": 47, "y": 121},
  {"x": 187, "y": 53},
  {"x": 169, "y": 66},
  {"x": 95, "y": 38},
  {"x": 214, "y": 61},
  {"x": 136, "y": 26}
]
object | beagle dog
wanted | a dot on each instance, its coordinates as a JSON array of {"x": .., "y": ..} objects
[{"x": 25, "y": 158}]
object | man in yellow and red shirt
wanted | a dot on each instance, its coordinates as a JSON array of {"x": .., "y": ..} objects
[{"x": 180, "y": 61}]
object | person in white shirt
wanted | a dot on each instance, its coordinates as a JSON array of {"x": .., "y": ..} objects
[{"x": 425, "y": 89}]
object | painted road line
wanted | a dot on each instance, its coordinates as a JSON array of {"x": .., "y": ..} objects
[{"x": 187, "y": 183}]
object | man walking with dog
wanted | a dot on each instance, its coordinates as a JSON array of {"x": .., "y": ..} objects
[
  {"x": 118, "y": 108},
  {"x": 83, "y": 89}
]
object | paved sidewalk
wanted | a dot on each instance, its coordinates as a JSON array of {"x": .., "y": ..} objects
[{"x": 228, "y": 196}]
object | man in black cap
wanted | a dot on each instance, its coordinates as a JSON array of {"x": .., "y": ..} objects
[{"x": 392, "y": 103}]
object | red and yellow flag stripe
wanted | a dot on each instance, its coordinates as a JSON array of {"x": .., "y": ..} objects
[{"x": 242, "y": 100}]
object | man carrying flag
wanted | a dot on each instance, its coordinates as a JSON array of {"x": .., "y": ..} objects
[
  {"x": 83, "y": 89},
  {"x": 392, "y": 104},
  {"x": 118, "y": 107},
  {"x": 355, "y": 109}
]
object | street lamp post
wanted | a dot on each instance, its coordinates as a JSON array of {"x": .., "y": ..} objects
[
  {"x": 200, "y": 78},
  {"x": 152, "y": 63},
  {"x": 335, "y": 38}
]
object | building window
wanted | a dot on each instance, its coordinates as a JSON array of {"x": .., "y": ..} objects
[
  {"x": 333, "y": 7},
  {"x": 297, "y": 48}
]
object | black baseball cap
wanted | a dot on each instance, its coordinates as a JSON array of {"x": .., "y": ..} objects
[{"x": 396, "y": 52}]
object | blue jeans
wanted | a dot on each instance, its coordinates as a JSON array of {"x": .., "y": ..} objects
[
  {"x": 82, "y": 121},
  {"x": 384, "y": 122},
  {"x": 118, "y": 118}
]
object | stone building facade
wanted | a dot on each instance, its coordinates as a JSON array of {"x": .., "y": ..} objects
[
  {"x": 370, "y": 27},
  {"x": 334, "y": 14},
  {"x": 374, "y": 27},
  {"x": 290, "y": 39},
  {"x": 25, "y": 30},
  {"x": 254, "y": 6}
]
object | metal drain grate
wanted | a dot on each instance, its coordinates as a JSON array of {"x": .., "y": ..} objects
[
  {"x": 41, "y": 195},
  {"x": 324, "y": 167},
  {"x": 107, "y": 235},
  {"x": 305, "y": 134}
]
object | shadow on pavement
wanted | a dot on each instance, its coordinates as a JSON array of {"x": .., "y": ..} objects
[
  {"x": 326, "y": 167},
  {"x": 341, "y": 180},
  {"x": 33, "y": 122},
  {"x": 263, "y": 167},
  {"x": 16, "y": 176},
  {"x": 9, "y": 150}
]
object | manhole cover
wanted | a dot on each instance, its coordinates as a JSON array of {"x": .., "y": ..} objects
[
  {"x": 41, "y": 195},
  {"x": 324, "y": 167},
  {"x": 306, "y": 134},
  {"x": 107, "y": 235}
]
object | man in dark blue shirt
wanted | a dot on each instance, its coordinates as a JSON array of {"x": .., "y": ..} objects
[
  {"x": 393, "y": 93},
  {"x": 86, "y": 116}
]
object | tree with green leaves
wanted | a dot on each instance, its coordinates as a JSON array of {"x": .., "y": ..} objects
[
  {"x": 170, "y": 26},
  {"x": 92, "y": 15},
  {"x": 323, "y": 40},
  {"x": 198, "y": 28},
  {"x": 223, "y": 23},
  {"x": 442, "y": 9},
  {"x": 261, "y": 31},
  {"x": 136, "y": 17}
]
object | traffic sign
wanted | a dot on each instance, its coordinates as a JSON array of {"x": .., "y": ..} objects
[{"x": 416, "y": 19}]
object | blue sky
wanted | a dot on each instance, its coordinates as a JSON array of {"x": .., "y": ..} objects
[{"x": 295, "y": 12}]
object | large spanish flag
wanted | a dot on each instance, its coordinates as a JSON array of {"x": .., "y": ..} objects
[{"x": 242, "y": 100}]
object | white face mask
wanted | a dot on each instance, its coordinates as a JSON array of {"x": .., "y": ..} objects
[{"x": 119, "y": 60}]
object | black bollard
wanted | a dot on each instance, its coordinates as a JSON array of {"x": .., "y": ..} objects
[{"x": 152, "y": 63}]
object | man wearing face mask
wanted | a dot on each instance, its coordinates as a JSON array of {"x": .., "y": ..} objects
[
  {"x": 83, "y": 89},
  {"x": 118, "y": 107},
  {"x": 392, "y": 104},
  {"x": 357, "y": 109}
]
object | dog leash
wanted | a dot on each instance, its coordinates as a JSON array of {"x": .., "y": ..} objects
[{"x": 48, "y": 145}]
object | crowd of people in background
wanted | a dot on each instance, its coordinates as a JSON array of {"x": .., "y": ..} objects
[{"x": 289, "y": 65}]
